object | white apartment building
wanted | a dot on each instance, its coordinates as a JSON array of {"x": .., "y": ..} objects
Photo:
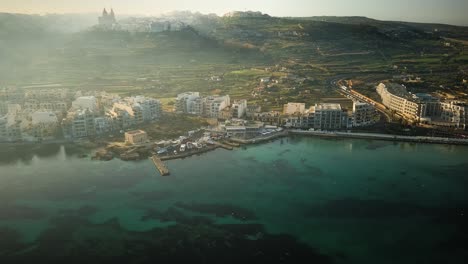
[
  {"x": 79, "y": 124},
  {"x": 213, "y": 105},
  {"x": 396, "y": 98},
  {"x": 189, "y": 103},
  {"x": 453, "y": 114},
  {"x": 423, "y": 107},
  {"x": 150, "y": 108},
  {"x": 239, "y": 108}
]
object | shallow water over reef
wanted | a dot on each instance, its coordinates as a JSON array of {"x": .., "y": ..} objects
[{"x": 330, "y": 201}]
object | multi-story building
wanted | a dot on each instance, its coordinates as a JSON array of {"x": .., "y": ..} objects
[
  {"x": 252, "y": 110},
  {"x": 364, "y": 114},
  {"x": 150, "y": 108},
  {"x": 239, "y": 108},
  {"x": 423, "y": 107},
  {"x": 79, "y": 124},
  {"x": 396, "y": 98},
  {"x": 213, "y": 105},
  {"x": 44, "y": 125},
  {"x": 328, "y": 116},
  {"x": 102, "y": 125},
  {"x": 125, "y": 115},
  {"x": 36, "y": 105},
  {"x": 189, "y": 103},
  {"x": 210, "y": 106},
  {"x": 305, "y": 120},
  {"x": 271, "y": 118},
  {"x": 10, "y": 129},
  {"x": 453, "y": 114}
]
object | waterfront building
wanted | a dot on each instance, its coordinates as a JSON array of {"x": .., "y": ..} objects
[
  {"x": 136, "y": 137},
  {"x": 396, "y": 98},
  {"x": 452, "y": 114},
  {"x": 79, "y": 124},
  {"x": 303, "y": 121},
  {"x": 364, "y": 114},
  {"x": 10, "y": 129},
  {"x": 423, "y": 108},
  {"x": 102, "y": 125},
  {"x": 272, "y": 117},
  {"x": 239, "y": 128},
  {"x": 44, "y": 125},
  {"x": 328, "y": 116}
]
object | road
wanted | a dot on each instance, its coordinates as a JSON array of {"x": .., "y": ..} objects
[{"x": 335, "y": 83}]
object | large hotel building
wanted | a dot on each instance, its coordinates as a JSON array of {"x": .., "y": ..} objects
[{"x": 423, "y": 108}]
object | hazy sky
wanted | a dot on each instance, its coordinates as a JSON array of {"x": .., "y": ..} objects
[{"x": 443, "y": 11}]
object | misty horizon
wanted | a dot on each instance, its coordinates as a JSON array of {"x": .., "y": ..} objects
[{"x": 449, "y": 12}]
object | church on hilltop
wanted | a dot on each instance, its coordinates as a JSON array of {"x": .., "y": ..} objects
[{"x": 107, "y": 20}]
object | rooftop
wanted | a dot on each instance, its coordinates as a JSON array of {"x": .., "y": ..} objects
[
  {"x": 327, "y": 107},
  {"x": 399, "y": 90},
  {"x": 135, "y": 132}
]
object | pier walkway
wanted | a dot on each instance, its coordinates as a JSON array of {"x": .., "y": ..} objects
[{"x": 160, "y": 166}]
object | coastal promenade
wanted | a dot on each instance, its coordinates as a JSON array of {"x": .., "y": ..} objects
[
  {"x": 261, "y": 139},
  {"x": 388, "y": 137}
]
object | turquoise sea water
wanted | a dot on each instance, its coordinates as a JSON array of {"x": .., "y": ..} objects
[{"x": 332, "y": 201}]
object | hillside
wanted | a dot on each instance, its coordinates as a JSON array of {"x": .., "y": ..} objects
[{"x": 238, "y": 48}]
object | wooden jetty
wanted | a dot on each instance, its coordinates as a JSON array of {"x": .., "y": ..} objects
[{"x": 160, "y": 166}]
